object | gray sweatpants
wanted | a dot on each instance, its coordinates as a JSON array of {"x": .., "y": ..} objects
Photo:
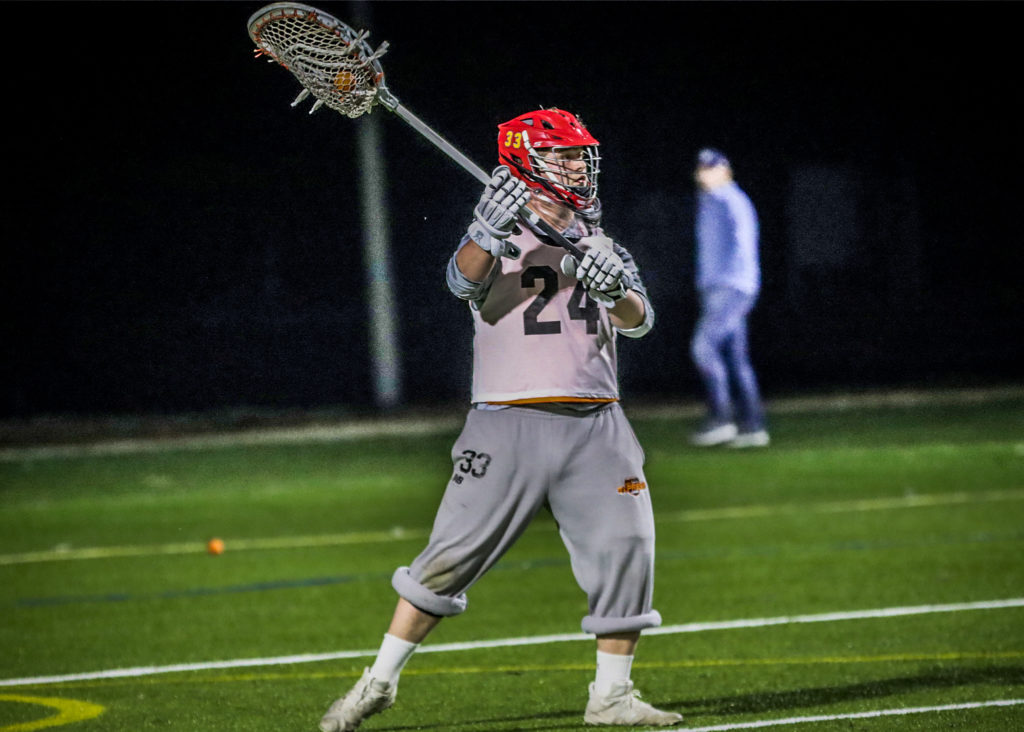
[{"x": 509, "y": 463}]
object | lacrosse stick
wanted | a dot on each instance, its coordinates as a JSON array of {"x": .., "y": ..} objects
[{"x": 341, "y": 70}]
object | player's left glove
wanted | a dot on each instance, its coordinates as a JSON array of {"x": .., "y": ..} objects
[
  {"x": 494, "y": 217},
  {"x": 602, "y": 271}
]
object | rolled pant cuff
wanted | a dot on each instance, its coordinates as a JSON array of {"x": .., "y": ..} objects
[
  {"x": 603, "y": 626},
  {"x": 424, "y": 599}
]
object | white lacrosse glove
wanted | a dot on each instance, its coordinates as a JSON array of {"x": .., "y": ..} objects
[
  {"x": 602, "y": 271},
  {"x": 494, "y": 218}
]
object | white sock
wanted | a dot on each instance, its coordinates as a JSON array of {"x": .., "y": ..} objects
[
  {"x": 391, "y": 658},
  {"x": 612, "y": 669}
]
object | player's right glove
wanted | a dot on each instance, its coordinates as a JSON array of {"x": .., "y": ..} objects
[
  {"x": 601, "y": 270},
  {"x": 494, "y": 218}
]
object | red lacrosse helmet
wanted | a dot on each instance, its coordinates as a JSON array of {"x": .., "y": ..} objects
[{"x": 527, "y": 145}]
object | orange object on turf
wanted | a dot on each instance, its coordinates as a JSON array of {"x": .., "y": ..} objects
[{"x": 215, "y": 546}]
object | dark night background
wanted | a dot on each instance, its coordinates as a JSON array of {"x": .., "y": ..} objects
[{"x": 179, "y": 239}]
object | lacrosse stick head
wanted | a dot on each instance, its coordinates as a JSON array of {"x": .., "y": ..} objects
[{"x": 331, "y": 60}]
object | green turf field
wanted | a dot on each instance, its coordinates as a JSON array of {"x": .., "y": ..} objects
[{"x": 770, "y": 563}]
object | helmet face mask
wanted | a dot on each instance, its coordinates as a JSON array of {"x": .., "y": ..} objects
[
  {"x": 554, "y": 154},
  {"x": 570, "y": 170}
]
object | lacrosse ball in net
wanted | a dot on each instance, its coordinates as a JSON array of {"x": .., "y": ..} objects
[
  {"x": 215, "y": 546},
  {"x": 345, "y": 81}
]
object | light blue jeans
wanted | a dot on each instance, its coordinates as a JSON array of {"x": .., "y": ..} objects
[{"x": 721, "y": 352}]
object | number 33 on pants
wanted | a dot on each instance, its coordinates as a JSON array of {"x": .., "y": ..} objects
[{"x": 472, "y": 463}]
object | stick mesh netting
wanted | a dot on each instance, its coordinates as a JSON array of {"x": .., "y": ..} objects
[{"x": 331, "y": 60}]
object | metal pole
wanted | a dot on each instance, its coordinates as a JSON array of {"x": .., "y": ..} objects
[{"x": 385, "y": 352}]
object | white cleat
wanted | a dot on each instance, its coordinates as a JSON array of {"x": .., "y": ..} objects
[
  {"x": 622, "y": 707},
  {"x": 759, "y": 438},
  {"x": 712, "y": 435},
  {"x": 368, "y": 697}
]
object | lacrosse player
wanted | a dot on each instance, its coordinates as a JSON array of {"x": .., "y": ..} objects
[
  {"x": 545, "y": 429},
  {"x": 728, "y": 282}
]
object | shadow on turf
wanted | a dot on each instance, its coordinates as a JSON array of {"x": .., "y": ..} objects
[
  {"x": 572, "y": 719},
  {"x": 784, "y": 701},
  {"x": 496, "y": 725},
  {"x": 754, "y": 703}
]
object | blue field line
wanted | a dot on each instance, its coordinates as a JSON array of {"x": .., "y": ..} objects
[
  {"x": 285, "y": 584},
  {"x": 203, "y": 591}
]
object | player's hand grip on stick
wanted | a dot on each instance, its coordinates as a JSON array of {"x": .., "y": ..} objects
[
  {"x": 601, "y": 270},
  {"x": 495, "y": 216}
]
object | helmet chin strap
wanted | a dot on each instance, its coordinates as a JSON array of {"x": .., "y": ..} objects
[{"x": 592, "y": 215}]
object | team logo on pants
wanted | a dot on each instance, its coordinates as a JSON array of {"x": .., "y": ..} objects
[{"x": 632, "y": 486}]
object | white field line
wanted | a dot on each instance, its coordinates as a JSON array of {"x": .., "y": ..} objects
[
  {"x": 831, "y": 617},
  {"x": 412, "y": 425},
  {"x": 398, "y": 533},
  {"x": 199, "y": 547},
  {"x": 359, "y": 430},
  {"x": 854, "y": 715},
  {"x": 888, "y": 612},
  {"x": 856, "y": 505}
]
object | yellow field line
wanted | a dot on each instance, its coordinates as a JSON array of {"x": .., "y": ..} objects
[
  {"x": 720, "y": 662},
  {"x": 207, "y": 678},
  {"x": 457, "y": 647},
  {"x": 69, "y": 711}
]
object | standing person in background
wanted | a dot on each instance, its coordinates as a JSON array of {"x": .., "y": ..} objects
[{"x": 728, "y": 283}]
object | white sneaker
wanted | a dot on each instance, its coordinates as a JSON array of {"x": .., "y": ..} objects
[
  {"x": 715, "y": 434},
  {"x": 759, "y": 438},
  {"x": 622, "y": 707},
  {"x": 366, "y": 698}
]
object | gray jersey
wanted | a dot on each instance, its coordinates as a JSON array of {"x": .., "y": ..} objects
[{"x": 538, "y": 341}]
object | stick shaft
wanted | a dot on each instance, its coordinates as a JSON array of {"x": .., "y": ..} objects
[
  {"x": 475, "y": 170},
  {"x": 446, "y": 147}
]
